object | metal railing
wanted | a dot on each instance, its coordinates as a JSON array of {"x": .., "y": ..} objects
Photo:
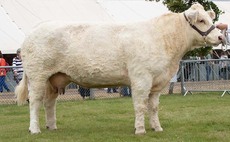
[
  {"x": 205, "y": 76},
  {"x": 193, "y": 76}
]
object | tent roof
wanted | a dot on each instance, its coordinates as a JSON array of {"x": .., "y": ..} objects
[
  {"x": 21, "y": 16},
  {"x": 127, "y": 10},
  {"x": 11, "y": 37}
]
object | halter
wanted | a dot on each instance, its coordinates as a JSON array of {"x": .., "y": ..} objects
[{"x": 204, "y": 34}]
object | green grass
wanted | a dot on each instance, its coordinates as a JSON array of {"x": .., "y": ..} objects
[{"x": 193, "y": 118}]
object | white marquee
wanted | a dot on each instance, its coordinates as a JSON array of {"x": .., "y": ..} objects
[{"x": 18, "y": 17}]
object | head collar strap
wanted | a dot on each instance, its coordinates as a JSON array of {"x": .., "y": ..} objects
[{"x": 204, "y": 34}]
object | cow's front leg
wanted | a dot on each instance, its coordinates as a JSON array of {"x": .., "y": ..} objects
[
  {"x": 140, "y": 92},
  {"x": 35, "y": 104},
  {"x": 153, "y": 112},
  {"x": 50, "y": 109},
  {"x": 140, "y": 109}
]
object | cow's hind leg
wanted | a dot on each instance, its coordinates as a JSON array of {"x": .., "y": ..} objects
[
  {"x": 153, "y": 112},
  {"x": 36, "y": 97},
  {"x": 50, "y": 107}
]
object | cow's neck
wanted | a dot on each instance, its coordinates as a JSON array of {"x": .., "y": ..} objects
[{"x": 175, "y": 35}]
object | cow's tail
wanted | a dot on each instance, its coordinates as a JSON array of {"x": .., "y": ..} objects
[{"x": 21, "y": 90}]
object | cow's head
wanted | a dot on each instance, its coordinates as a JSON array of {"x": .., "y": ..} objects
[{"x": 201, "y": 24}]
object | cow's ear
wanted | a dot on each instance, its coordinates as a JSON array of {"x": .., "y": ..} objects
[
  {"x": 212, "y": 14},
  {"x": 192, "y": 17}
]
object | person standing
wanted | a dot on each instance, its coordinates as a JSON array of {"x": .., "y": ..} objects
[
  {"x": 171, "y": 84},
  {"x": 109, "y": 90},
  {"x": 223, "y": 65},
  {"x": 208, "y": 65},
  {"x": 18, "y": 72},
  {"x": 84, "y": 92},
  {"x": 126, "y": 91},
  {"x": 3, "y": 74}
]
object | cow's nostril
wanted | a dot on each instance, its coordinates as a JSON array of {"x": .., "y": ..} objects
[{"x": 220, "y": 38}]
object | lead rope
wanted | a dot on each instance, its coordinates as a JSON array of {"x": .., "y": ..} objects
[{"x": 216, "y": 54}]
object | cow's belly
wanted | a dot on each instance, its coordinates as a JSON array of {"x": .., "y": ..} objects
[{"x": 99, "y": 79}]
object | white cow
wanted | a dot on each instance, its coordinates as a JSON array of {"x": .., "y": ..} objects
[{"x": 144, "y": 55}]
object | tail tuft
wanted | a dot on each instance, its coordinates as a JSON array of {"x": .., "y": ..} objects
[{"x": 21, "y": 90}]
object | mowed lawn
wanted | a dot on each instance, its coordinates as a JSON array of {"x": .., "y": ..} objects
[{"x": 194, "y": 118}]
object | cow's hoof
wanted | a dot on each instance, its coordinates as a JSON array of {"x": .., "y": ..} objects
[
  {"x": 34, "y": 132},
  {"x": 51, "y": 128},
  {"x": 158, "y": 129},
  {"x": 140, "y": 132}
]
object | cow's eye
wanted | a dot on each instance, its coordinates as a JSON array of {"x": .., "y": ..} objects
[{"x": 202, "y": 21}]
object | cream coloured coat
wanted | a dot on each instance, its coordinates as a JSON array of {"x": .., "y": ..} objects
[{"x": 144, "y": 55}]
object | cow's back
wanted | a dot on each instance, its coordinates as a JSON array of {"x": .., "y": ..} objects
[{"x": 86, "y": 52}]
